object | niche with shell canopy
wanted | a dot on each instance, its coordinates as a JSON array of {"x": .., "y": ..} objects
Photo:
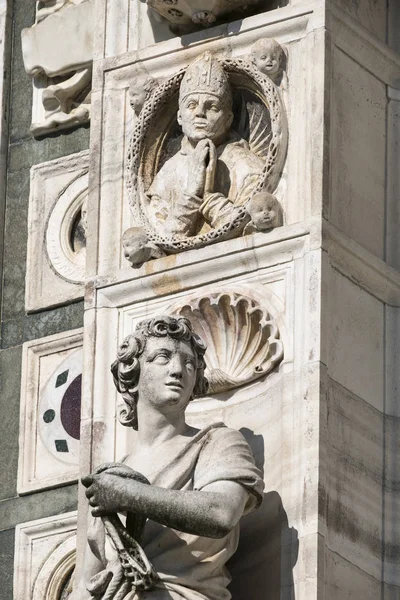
[{"x": 243, "y": 339}]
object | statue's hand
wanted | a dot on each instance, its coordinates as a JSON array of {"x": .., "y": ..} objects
[
  {"x": 107, "y": 492},
  {"x": 121, "y": 469},
  {"x": 211, "y": 168},
  {"x": 198, "y": 169}
]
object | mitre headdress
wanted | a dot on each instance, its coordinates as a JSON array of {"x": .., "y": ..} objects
[{"x": 206, "y": 76}]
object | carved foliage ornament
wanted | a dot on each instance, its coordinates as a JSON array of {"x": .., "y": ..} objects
[
  {"x": 240, "y": 143},
  {"x": 241, "y": 336}
]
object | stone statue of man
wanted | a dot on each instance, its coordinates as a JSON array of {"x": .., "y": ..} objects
[
  {"x": 192, "y": 485},
  {"x": 214, "y": 169}
]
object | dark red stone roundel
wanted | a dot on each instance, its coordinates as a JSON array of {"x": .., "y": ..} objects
[{"x": 71, "y": 408}]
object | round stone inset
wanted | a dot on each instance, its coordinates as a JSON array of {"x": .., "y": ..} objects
[
  {"x": 71, "y": 408},
  {"x": 60, "y": 409}
]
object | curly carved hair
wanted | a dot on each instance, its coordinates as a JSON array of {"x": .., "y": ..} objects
[{"x": 126, "y": 369}]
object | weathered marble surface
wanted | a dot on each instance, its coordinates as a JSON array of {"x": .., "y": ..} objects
[
  {"x": 56, "y": 253},
  {"x": 58, "y": 54},
  {"x": 43, "y": 463}
]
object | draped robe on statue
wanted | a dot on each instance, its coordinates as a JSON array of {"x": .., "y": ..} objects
[
  {"x": 237, "y": 173},
  {"x": 192, "y": 567}
]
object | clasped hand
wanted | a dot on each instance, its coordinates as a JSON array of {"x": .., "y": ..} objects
[
  {"x": 110, "y": 488},
  {"x": 203, "y": 168}
]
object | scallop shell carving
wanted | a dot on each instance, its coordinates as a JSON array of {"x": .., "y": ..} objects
[{"x": 242, "y": 338}]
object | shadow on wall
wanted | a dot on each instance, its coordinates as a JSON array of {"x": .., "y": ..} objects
[{"x": 268, "y": 548}]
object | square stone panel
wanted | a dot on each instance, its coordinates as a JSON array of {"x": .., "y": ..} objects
[
  {"x": 358, "y": 129},
  {"x": 50, "y": 411},
  {"x": 355, "y": 357},
  {"x": 56, "y": 232}
]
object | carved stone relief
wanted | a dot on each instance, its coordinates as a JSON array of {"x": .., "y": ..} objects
[
  {"x": 58, "y": 55},
  {"x": 44, "y": 8},
  {"x": 66, "y": 231},
  {"x": 57, "y": 231},
  {"x": 140, "y": 89},
  {"x": 45, "y": 555},
  {"x": 270, "y": 58},
  {"x": 54, "y": 578},
  {"x": 192, "y": 172},
  {"x": 242, "y": 338},
  {"x": 180, "y": 12}
]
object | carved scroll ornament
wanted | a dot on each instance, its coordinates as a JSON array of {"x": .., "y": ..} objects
[{"x": 192, "y": 188}]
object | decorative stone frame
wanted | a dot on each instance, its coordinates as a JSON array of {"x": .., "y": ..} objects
[
  {"x": 58, "y": 189},
  {"x": 44, "y": 556},
  {"x": 39, "y": 359},
  {"x": 143, "y": 150},
  {"x": 58, "y": 229}
]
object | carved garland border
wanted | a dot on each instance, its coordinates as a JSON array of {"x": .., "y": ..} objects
[{"x": 269, "y": 176}]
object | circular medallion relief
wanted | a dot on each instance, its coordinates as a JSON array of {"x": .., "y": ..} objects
[
  {"x": 253, "y": 145},
  {"x": 59, "y": 414},
  {"x": 66, "y": 231}
]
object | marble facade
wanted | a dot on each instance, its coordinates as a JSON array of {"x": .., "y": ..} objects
[{"x": 322, "y": 419}]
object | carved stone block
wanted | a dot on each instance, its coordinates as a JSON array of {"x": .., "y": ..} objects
[
  {"x": 58, "y": 54},
  {"x": 45, "y": 552},
  {"x": 57, "y": 231},
  {"x": 192, "y": 178},
  {"x": 50, "y": 411},
  {"x": 204, "y": 13}
]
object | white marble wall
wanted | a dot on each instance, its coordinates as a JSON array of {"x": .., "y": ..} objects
[{"x": 361, "y": 293}]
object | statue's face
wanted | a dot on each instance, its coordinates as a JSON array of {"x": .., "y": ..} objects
[
  {"x": 204, "y": 116},
  {"x": 264, "y": 213},
  {"x": 136, "y": 251},
  {"x": 167, "y": 374},
  {"x": 268, "y": 59},
  {"x": 137, "y": 94}
]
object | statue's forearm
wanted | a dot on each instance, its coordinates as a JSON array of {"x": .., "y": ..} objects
[{"x": 209, "y": 514}]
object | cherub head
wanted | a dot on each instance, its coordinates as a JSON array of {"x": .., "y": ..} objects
[
  {"x": 137, "y": 349},
  {"x": 139, "y": 89},
  {"x": 265, "y": 211},
  {"x": 136, "y": 246},
  {"x": 268, "y": 55}
]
